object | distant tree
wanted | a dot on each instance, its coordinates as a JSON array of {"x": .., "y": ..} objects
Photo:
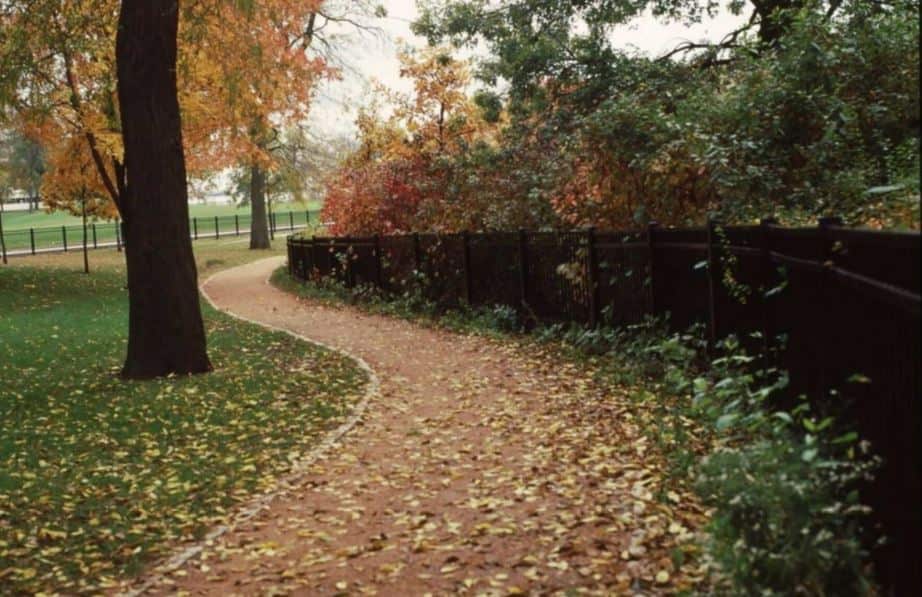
[
  {"x": 407, "y": 171},
  {"x": 24, "y": 166}
]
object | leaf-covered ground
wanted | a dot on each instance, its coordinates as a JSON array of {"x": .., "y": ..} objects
[
  {"x": 483, "y": 467},
  {"x": 100, "y": 475}
]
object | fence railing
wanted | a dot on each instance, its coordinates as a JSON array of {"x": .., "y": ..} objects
[
  {"x": 837, "y": 304},
  {"x": 44, "y": 239}
]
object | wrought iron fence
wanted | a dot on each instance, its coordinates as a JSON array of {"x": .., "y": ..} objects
[{"x": 47, "y": 239}]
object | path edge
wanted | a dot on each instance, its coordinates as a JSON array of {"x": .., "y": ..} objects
[{"x": 250, "y": 509}]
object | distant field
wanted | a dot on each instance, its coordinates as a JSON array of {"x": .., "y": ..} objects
[
  {"x": 20, "y": 220},
  {"x": 38, "y": 231}
]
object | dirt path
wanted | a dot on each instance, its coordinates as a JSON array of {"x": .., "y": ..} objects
[{"x": 480, "y": 468}]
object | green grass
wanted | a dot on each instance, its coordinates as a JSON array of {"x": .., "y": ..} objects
[
  {"x": 99, "y": 475},
  {"x": 23, "y": 220},
  {"x": 46, "y": 227}
]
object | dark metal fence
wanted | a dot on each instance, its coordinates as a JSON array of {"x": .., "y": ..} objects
[
  {"x": 46, "y": 239},
  {"x": 840, "y": 305}
]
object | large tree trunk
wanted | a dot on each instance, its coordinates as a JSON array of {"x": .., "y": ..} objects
[
  {"x": 165, "y": 330},
  {"x": 259, "y": 223}
]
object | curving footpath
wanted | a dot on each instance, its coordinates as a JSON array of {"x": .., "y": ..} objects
[{"x": 480, "y": 467}]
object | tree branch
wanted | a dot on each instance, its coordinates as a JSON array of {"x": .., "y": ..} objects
[
  {"x": 726, "y": 43},
  {"x": 76, "y": 104}
]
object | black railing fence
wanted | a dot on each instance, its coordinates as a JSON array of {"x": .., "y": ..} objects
[
  {"x": 838, "y": 304},
  {"x": 45, "y": 239}
]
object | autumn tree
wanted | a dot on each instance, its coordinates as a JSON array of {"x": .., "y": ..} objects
[
  {"x": 165, "y": 329},
  {"x": 403, "y": 175},
  {"x": 69, "y": 81},
  {"x": 63, "y": 83},
  {"x": 23, "y": 165},
  {"x": 251, "y": 95},
  {"x": 808, "y": 107}
]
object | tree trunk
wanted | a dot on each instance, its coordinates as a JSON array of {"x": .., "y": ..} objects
[
  {"x": 165, "y": 330},
  {"x": 776, "y": 18},
  {"x": 259, "y": 223}
]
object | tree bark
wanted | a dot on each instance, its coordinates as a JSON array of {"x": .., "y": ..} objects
[
  {"x": 776, "y": 17},
  {"x": 259, "y": 222},
  {"x": 165, "y": 330}
]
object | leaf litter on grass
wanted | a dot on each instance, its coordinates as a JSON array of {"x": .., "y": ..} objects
[{"x": 100, "y": 475}]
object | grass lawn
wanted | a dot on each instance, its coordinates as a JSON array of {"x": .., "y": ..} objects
[
  {"x": 17, "y": 220},
  {"x": 22, "y": 230},
  {"x": 99, "y": 475}
]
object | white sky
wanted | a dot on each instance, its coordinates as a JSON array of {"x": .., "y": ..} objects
[{"x": 375, "y": 58}]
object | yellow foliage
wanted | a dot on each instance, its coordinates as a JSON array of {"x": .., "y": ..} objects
[{"x": 240, "y": 72}]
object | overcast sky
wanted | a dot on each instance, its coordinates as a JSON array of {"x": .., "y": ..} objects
[{"x": 370, "y": 58}]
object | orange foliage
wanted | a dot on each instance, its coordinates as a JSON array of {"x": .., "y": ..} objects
[
  {"x": 396, "y": 179},
  {"x": 608, "y": 191},
  {"x": 237, "y": 69}
]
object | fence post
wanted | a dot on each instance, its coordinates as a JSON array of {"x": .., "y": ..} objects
[
  {"x": 307, "y": 218},
  {"x": 217, "y": 229},
  {"x": 32, "y": 239},
  {"x": 291, "y": 220},
  {"x": 651, "y": 246},
  {"x": 93, "y": 226},
  {"x": 713, "y": 281},
  {"x": 64, "y": 237},
  {"x": 2, "y": 240},
  {"x": 350, "y": 271},
  {"x": 236, "y": 225},
  {"x": 593, "y": 278},
  {"x": 829, "y": 321},
  {"x": 118, "y": 235},
  {"x": 523, "y": 266},
  {"x": 417, "y": 253},
  {"x": 195, "y": 228},
  {"x": 466, "y": 261},
  {"x": 86, "y": 255},
  {"x": 379, "y": 281},
  {"x": 824, "y": 225},
  {"x": 768, "y": 280}
]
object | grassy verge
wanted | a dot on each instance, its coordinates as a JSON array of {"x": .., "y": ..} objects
[
  {"x": 781, "y": 481},
  {"x": 99, "y": 475}
]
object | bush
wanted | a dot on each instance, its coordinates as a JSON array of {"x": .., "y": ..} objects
[
  {"x": 782, "y": 484},
  {"x": 787, "y": 519}
]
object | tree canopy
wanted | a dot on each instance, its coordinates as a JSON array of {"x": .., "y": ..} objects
[
  {"x": 809, "y": 108},
  {"x": 241, "y": 70}
]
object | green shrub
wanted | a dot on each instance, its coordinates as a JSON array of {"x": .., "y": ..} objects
[
  {"x": 787, "y": 519},
  {"x": 501, "y": 318},
  {"x": 787, "y": 516},
  {"x": 786, "y": 513}
]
